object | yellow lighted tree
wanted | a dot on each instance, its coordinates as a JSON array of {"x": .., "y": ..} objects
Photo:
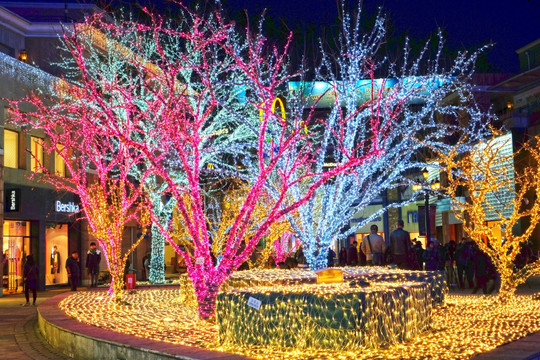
[
  {"x": 106, "y": 210},
  {"x": 490, "y": 199},
  {"x": 220, "y": 217}
]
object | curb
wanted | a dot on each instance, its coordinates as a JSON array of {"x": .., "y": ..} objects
[{"x": 83, "y": 341}]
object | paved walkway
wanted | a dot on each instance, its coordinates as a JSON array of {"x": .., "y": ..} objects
[{"x": 20, "y": 338}]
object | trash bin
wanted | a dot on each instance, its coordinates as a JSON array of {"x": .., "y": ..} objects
[{"x": 130, "y": 279}]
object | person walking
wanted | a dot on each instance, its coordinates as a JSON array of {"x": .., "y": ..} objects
[
  {"x": 93, "y": 258},
  {"x": 73, "y": 270},
  {"x": 449, "y": 261},
  {"x": 432, "y": 257},
  {"x": 461, "y": 254},
  {"x": 343, "y": 256},
  {"x": 400, "y": 241},
  {"x": 331, "y": 257},
  {"x": 353, "y": 254},
  {"x": 373, "y": 246},
  {"x": 30, "y": 277},
  {"x": 419, "y": 254},
  {"x": 469, "y": 267}
]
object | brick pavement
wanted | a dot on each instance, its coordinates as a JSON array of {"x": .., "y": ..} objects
[{"x": 20, "y": 338}]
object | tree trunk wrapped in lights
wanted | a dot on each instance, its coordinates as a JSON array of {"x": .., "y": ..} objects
[
  {"x": 497, "y": 198},
  {"x": 105, "y": 210},
  {"x": 284, "y": 247}
]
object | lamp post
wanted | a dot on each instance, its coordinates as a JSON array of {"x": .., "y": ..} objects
[{"x": 427, "y": 189}]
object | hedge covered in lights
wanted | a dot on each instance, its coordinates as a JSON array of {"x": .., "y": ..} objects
[
  {"x": 324, "y": 316},
  {"x": 435, "y": 280}
]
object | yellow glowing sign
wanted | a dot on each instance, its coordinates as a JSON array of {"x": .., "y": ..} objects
[
  {"x": 278, "y": 101},
  {"x": 273, "y": 108},
  {"x": 329, "y": 276}
]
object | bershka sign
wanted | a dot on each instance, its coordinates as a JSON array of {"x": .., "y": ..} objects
[
  {"x": 13, "y": 200},
  {"x": 70, "y": 207}
]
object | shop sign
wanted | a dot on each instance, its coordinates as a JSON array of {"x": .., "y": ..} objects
[
  {"x": 323, "y": 94},
  {"x": 13, "y": 200},
  {"x": 70, "y": 207}
]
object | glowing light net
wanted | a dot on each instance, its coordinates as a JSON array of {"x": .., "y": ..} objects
[
  {"x": 324, "y": 316},
  {"x": 463, "y": 327}
]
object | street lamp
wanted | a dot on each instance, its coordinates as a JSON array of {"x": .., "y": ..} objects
[
  {"x": 427, "y": 188},
  {"x": 425, "y": 173},
  {"x": 23, "y": 55}
]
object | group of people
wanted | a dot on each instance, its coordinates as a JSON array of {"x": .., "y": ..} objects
[
  {"x": 73, "y": 268},
  {"x": 464, "y": 263},
  {"x": 374, "y": 251}
]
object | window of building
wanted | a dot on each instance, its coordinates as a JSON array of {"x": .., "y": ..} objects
[
  {"x": 11, "y": 149},
  {"x": 59, "y": 164},
  {"x": 36, "y": 149}
]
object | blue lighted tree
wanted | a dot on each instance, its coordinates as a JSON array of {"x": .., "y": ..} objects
[{"x": 408, "y": 100}]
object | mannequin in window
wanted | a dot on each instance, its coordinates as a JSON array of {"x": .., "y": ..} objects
[{"x": 55, "y": 261}]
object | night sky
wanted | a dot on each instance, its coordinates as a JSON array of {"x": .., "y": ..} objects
[{"x": 509, "y": 24}]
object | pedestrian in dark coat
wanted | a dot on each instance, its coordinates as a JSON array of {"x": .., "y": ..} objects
[
  {"x": 481, "y": 270},
  {"x": 400, "y": 243},
  {"x": 419, "y": 253},
  {"x": 343, "y": 256},
  {"x": 432, "y": 257},
  {"x": 74, "y": 270},
  {"x": 331, "y": 256},
  {"x": 469, "y": 266},
  {"x": 353, "y": 254},
  {"x": 93, "y": 258},
  {"x": 31, "y": 277},
  {"x": 461, "y": 255}
]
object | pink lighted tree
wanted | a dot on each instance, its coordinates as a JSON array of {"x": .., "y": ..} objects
[
  {"x": 284, "y": 247},
  {"x": 210, "y": 112}
]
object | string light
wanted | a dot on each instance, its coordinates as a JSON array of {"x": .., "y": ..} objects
[
  {"x": 187, "y": 97},
  {"x": 398, "y": 109},
  {"x": 495, "y": 203},
  {"x": 463, "y": 327},
  {"x": 325, "y": 316}
]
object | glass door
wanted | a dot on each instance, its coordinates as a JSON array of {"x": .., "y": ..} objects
[{"x": 16, "y": 247}]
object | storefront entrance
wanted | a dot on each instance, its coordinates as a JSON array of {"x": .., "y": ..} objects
[{"x": 16, "y": 247}]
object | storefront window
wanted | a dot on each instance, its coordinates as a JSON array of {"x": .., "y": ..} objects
[
  {"x": 36, "y": 149},
  {"x": 56, "y": 240},
  {"x": 11, "y": 149},
  {"x": 16, "y": 247},
  {"x": 59, "y": 164}
]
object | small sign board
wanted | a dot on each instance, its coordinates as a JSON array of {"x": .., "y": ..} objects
[
  {"x": 329, "y": 276},
  {"x": 13, "y": 200},
  {"x": 199, "y": 260},
  {"x": 254, "y": 303}
]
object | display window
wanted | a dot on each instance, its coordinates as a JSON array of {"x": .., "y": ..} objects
[
  {"x": 16, "y": 247},
  {"x": 11, "y": 149},
  {"x": 56, "y": 240}
]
